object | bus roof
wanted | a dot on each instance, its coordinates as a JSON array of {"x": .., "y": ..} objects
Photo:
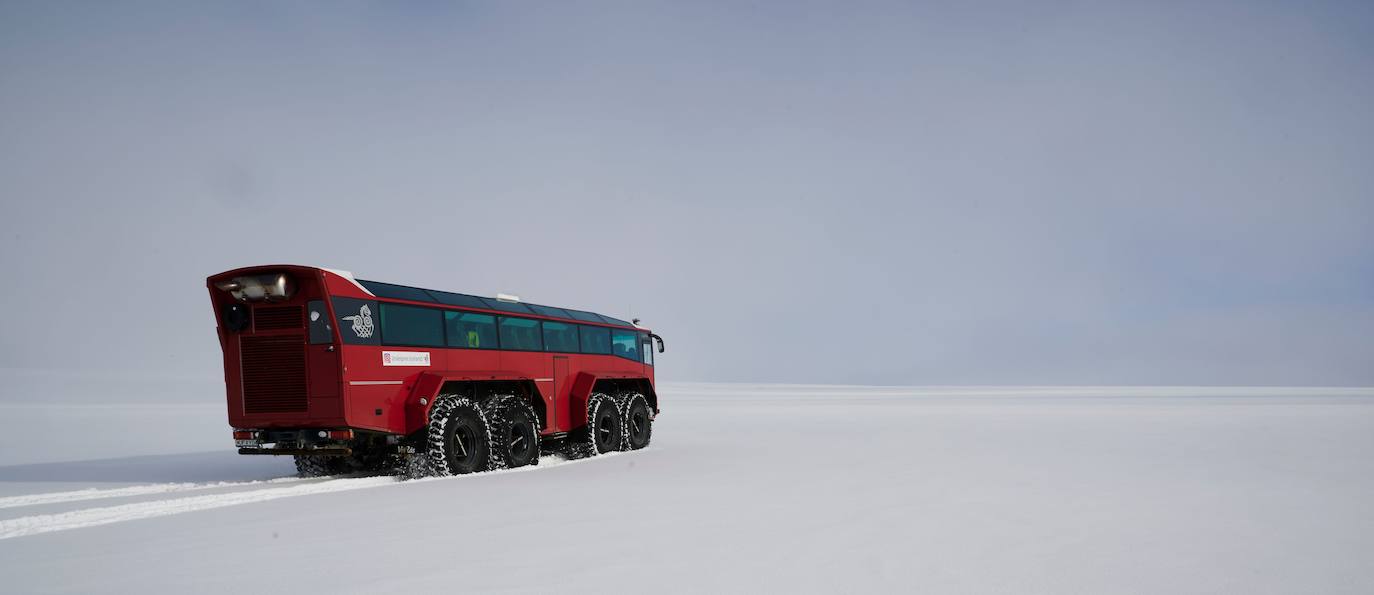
[{"x": 463, "y": 300}]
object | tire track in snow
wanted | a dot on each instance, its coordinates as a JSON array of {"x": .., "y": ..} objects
[
  {"x": 125, "y": 492},
  {"x": 94, "y": 517}
]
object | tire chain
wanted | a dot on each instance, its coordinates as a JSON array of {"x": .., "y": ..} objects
[
  {"x": 497, "y": 411},
  {"x": 312, "y": 466},
  {"x": 434, "y": 461},
  {"x": 437, "y": 459},
  {"x": 581, "y": 449},
  {"x": 628, "y": 400}
]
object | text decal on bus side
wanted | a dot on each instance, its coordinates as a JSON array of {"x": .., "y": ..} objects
[{"x": 405, "y": 358}]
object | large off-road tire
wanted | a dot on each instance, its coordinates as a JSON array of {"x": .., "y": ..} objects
[
  {"x": 604, "y": 431},
  {"x": 459, "y": 439},
  {"x": 514, "y": 432},
  {"x": 639, "y": 421},
  {"x": 365, "y": 458},
  {"x": 315, "y": 466}
]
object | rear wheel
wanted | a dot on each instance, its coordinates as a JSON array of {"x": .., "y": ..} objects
[
  {"x": 314, "y": 466},
  {"x": 459, "y": 440},
  {"x": 409, "y": 463},
  {"x": 365, "y": 458},
  {"x": 639, "y": 422},
  {"x": 514, "y": 432}
]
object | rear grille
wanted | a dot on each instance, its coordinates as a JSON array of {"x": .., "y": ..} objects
[
  {"x": 273, "y": 373},
  {"x": 277, "y": 317}
]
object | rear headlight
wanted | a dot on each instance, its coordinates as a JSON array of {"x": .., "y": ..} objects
[
  {"x": 341, "y": 434},
  {"x": 245, "y": 435},
  {"x": 235, "y": 317}
]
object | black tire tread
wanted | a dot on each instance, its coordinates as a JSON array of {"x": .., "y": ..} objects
[
  {"x": 436, "y": 447},
  {"x": 581, "y": 442},
  {"x": 499, "y": 411},
  {"x": 313, "y": 466},
  {"x": 629, "y": 400}
]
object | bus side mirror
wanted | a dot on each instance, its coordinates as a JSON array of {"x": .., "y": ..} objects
[{"x": 660, "y": 342}]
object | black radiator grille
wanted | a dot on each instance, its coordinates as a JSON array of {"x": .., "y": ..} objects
[
  {"x": 273, "y": 373},
  {"x": 277, "y": 317}
]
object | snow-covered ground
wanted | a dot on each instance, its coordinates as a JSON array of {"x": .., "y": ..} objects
[{"x": 745, "y": 488}]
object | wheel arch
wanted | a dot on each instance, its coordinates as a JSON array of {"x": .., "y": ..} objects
[
  {"x": 478, "y": 387},
  {"x": 588, "y": 383},
  {"x": 642, "y": 386}
]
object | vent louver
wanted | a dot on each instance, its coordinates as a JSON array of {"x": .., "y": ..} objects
[
  {"x": 277, "y": 318},
  {"x": 273, "y": 373}
]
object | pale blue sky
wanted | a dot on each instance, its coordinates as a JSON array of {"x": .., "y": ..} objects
[{"x": 929, "y": 193}]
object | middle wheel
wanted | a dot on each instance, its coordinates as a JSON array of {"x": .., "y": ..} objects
[{"x": 514, "y": 432}]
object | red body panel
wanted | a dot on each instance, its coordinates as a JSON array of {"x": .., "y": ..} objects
[{"x": 347, "y": 385}]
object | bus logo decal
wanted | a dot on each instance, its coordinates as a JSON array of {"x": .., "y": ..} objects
[
  {"x": 362, "y": 323},
  {"x": 405, "y": 358}
]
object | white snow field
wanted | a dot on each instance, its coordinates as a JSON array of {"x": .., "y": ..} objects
[{"x": 746, "y": 488}]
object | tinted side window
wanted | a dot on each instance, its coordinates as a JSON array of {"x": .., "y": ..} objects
[
  {"x": 471, "y": 330},
  {"x": 625, "y": 344},
  {"x": 596, "y": 339},
  {"x": 356, "y": 321},
  {"x": 560, "y": 337},
  {"x": 320, "y": 323},
  {"x": 520, "y": 333},
  {"x": 412, "y": 325}
]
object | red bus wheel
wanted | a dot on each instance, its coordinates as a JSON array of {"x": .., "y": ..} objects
[
  {"x": 313, "y": 466},
  {"x": 605, "y": 426},
  {"x": 639, "y": 423},
  {"x": 459, "y": 439},
  {"x": 514, "y": 432}
]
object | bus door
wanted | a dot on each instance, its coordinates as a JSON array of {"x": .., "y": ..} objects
[
  {"x": 322, "y": 361},
  {"x": 646, "y": 350},
  {"x": 559, "y": 400}
]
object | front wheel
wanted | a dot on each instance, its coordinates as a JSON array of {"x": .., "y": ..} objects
[{"x": 639, "y": 422}]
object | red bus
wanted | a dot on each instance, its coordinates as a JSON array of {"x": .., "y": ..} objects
[{"x": 349, "y": 375}]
